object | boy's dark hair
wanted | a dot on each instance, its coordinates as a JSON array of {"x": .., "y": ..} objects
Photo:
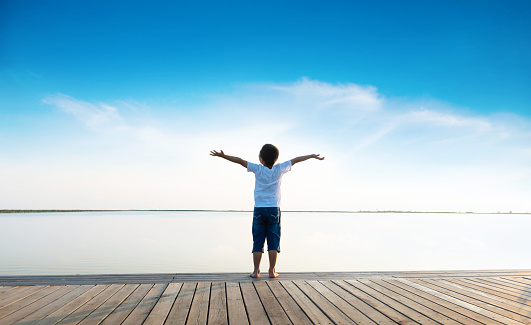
[{"x": 269, "y": 154}]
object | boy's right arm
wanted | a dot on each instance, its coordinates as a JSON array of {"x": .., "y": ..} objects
[{"x": 236, "y": 160}]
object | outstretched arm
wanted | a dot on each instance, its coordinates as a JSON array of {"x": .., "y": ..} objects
[
  {"x": 229, "y": 158},
  {"x": 303, "y": 158}
]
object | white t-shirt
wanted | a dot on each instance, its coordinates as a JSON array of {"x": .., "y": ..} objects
[{"x": 267, "y": 184}]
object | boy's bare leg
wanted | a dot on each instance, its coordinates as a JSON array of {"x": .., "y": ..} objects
[
  {"x": 257, "y": 257},
  {"x": 272, "y": 263}
]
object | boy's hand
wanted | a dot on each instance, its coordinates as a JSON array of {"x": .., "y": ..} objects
[
  {"x": 318, "y": 156},
  {"x": 217, "y": 154}
]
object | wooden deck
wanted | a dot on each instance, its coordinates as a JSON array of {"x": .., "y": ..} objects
[{"x": 446, "y": 297}]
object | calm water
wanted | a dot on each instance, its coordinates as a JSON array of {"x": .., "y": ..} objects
[{"x": 175, "y": 242}]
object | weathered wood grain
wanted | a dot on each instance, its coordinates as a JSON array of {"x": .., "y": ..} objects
[
  {"x": 40, "y": 312},
  {"x": 235, "y": 306},
  {"x": 144, "y": 308},
  {"x": 71, "y": 306},
  {"x": 349, "y": 310},
  {"x": 109, "y": 305},
  {"x": 274, "y": 310},
  {"x": 163, "y": 305},
  {"x": 449, "y": 297},
  {"x": 217, "y": 312},
  {"x": 181, "y": 306},
  {"x": 199, "y": 310},
  {"x": 118, "y": 315},
  {"x": 255, "y": 311},
  {"x": 293, "y": 311}
]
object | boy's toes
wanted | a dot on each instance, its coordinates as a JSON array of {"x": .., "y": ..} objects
[
  {"x": 254, "y": 275},
  {"x": 273, "y": 274}
]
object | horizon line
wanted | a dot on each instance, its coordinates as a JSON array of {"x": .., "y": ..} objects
[{"x": 230, "y": 210}]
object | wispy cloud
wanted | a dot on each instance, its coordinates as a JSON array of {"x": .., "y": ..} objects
[
  {"x": 382, "y": 153},
  {"x": 107, "y": 118},
  {"x": 326, "y": 95},
  {"x": 92, "y": 115}
]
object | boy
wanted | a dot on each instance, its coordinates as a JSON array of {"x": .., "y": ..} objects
[{"x": 266, "y": 216}]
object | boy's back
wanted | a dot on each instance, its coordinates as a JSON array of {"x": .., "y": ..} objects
[{"x": 267, "y": 183}]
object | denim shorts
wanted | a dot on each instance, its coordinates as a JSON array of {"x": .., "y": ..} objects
[{"x": 266, "y": 224}]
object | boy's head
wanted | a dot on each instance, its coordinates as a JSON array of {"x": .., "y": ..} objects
[{"x": 269, "y": 155}]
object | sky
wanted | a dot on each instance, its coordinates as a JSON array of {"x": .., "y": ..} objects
[{"x": 417, "y": 105}]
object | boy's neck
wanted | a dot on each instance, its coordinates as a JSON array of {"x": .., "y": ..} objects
[{"x": 264, "y": 164}]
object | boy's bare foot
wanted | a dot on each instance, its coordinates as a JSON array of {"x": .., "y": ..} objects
[
  {"x": 273, "y": 274},
  {"x": 255, "y": 274}
]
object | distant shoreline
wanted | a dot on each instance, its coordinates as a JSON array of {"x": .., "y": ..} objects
[{"x": 320, "y": 211}]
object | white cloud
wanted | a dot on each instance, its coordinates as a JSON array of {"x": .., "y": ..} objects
[
  {"x": 107, "y": 119},
  {"x": 381, "y": 153},
  {"x": 325, "y": 95},
  {"x": 92, "y": 115}
]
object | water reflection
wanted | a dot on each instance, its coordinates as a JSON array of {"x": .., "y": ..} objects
[{"x": 169, "y": 242}]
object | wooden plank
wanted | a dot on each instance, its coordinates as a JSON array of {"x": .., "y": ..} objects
[
  {"x": 71, "y": 305},
  {"x": 336, "y": 315},
  {"x": 375, "y": 303},
  {"x": 349, "y": 310},
  {"x": 13, "y": 291},
  {"x": 458, "y": 305},
  {"x": 390, "y": 302},
  {"x": 526, "y": 282},
  {"x": 11, "y": 308},
  {"x": 490, "y": 290},
  {"x": 90, "y": 306},
  {"x": 486, "y": 297},
  {"x": 163, "y": 306},
  {"x": 478, "y": 306},
  {"x": 143, "y": 309},
  {"x": 444, "y": 307},
  {"x": 509, "y": 289},
  {"x": 495, "y": 287},
  {"x": 199, "y": 310},
  {"x": 500, "y": 305},
  {"x": 255, "y": 311},
  {"x": 51, "y": 303},
  {"x": 521, "y": 288},
  {"x": 468, "y": 300},
  {"x": 20, "y": 293},
  {"x": 313, "y": 312},
  {"x": 273, "y": 309},
  {"x": 5, "y": 289},
  {"x": 242, "y": 277},
  {"x": 412, "y": 301},
  {"x": 127, "y": 306},
  {"x": 179, "y": 311},
  {"x": 109, "y": 305},
  {"x": 217, "y": 312},
  {"x": 293, "y": 311},
  {"x": 36, "y": 305},
  {"x": 375, "y": 315},
  {"x": 514, "y": 285},
  {"x": 235, "y": 307},
  {"x": 503, "y": 283}
]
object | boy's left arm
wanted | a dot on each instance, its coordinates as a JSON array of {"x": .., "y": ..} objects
[
  {"x": 303, "y": 158},
  {"x": 236, "y": 160}
]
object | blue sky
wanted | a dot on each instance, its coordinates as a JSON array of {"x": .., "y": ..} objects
[{"x": 115, "y": 104}]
